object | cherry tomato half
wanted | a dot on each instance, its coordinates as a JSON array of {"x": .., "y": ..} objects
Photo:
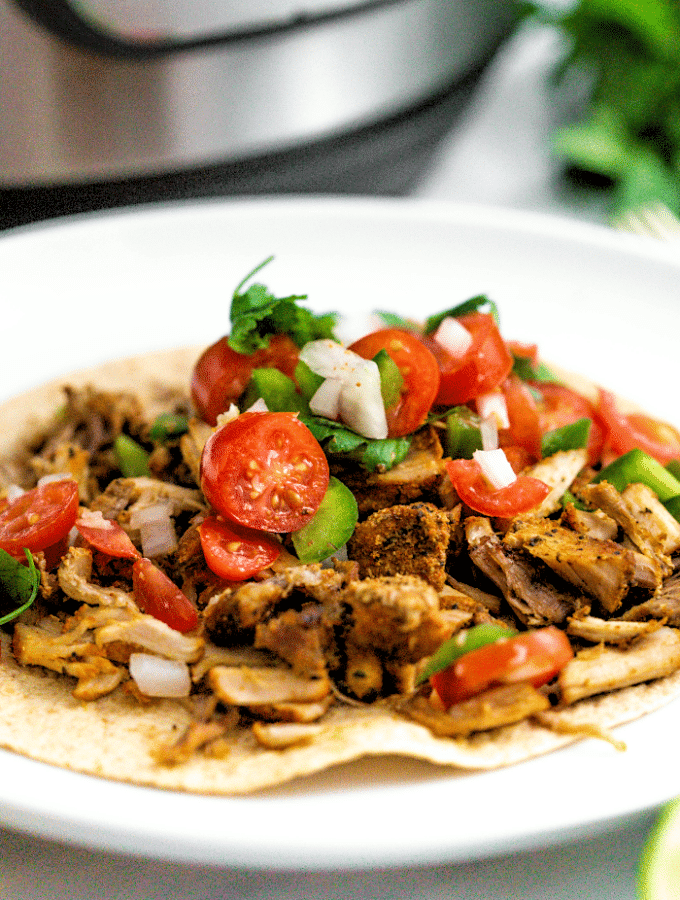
[
  {"x": 221, "y": 374},
  {"x": 107, "y": 536},
  {"x": 626, "y": 432},
  {"x": 533, "y": 656},
  {"x": 484, "y": 366},
  {"x": 159, "y": 596},
  {"x": 266, "y": 471},
  {"x": 559, "y": 406},
  {"x": 418, "y": 368},
  {"x": 525, "y": 493},
  {"x": 233, "y": 552},
  {"x": 39, "y": 518},
  {"x": 525, "y": 429}
]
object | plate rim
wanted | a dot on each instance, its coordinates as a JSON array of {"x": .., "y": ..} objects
[{"x": 497, "y": 218}]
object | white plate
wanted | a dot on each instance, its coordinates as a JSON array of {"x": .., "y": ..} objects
[{"x": 98, "y": 287}]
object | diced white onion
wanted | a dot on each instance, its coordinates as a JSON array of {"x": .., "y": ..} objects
[
  {"x": 95, "y": 519},
  {"x": 156, "y": 529},
  {"x": 228, "y": 415},
  {"x": 495, "y": 467},
  {"x": 258, "y": 406},
  {"x": 331, "y": 360},
  {"x": 326, "y": 400},
  {"x": 453, "y": 337},
  {"x": 156, "y": 676},
  {"x": 14, "y": 492},
  {"x": 489, "y": 431},
  {"x": 361, "y": 403},
  {"x": 493, "y": 405},
  {"x": 55, "y": 476}
]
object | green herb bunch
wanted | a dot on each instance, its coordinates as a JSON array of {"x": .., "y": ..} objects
[{"x": 627, "y": 54}]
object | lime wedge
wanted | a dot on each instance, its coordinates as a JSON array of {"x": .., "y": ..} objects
[{"x": 659, "y": 869}]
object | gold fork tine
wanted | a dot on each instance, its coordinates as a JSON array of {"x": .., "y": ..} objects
[{"x": 655, "y": 220}]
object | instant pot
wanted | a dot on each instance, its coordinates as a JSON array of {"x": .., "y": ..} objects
[{"x": 110, "y": 102}]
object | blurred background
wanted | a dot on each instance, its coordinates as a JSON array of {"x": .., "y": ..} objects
[
  {"x": 108, "y": 102},
  {"x": 565, "y": 106},
  {"x": 558, "y": 105}
]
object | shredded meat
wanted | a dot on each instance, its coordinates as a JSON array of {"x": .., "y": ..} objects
[
  {"x": 403, "y": 540},
  {"x": 250, "y": 687},
  {"x": 643, "y": 533},
  {"x": 664, "y": 605},
  {"x": 610, "y": 631},
  {"x": 604, "y": 669},
  {"x": 417, "y": 477},
  {"x": 558, "y": 472},
  {"x": 74, "y": 576},
  {"x": 531, "y": 596},
  {"x": 297, "y": 636},
  {"x": 602, "y": 569},
  {"x": 493, "y": 708},
  {"x": 396, "y": 616},
  {"x": 270, "y": 656}
]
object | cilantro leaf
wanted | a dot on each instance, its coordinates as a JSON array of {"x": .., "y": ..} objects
[
  {"x": 392, "y": 320},
  {"x": 625, "y": 57},
  {"x": 480, "y": 303},
  {"x": 524, "y": 369},
  {"x": 257, "y": 314},
  {"x": 374, "y": 455},
  {"x": 18, "y": 585}
]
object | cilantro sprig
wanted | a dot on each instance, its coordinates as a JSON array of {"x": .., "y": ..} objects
[
  {"x": 374, "y": 455},
  {"x": 480, "y": 303},
  {"x": 257, "y": 314},
  {"x": 18, "y": 585},
  {"x": 625, "y": 55}
]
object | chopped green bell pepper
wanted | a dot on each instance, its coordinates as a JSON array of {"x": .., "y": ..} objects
[
  {"x": 331, "y": 527},
  {"x": 276, "y": 389},
  {"x": 570, "y": 437},
  {"x": 131, "y": 458},
  {"x": 391, "y": 379},
  {"x": 463, "y": 434},
  {"x": 639, "y": 467},
  {"x": 461, "y": 643}
]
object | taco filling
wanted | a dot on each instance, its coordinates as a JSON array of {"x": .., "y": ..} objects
[{"x": 427, "y": 541}]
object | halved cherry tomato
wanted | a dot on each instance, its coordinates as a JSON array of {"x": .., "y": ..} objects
[
  {"x": 159, "y": 596},
  {"x": 637, "y": 430},
  {"x": 39, "y": 518},
  {"x": 525, "y": 430},
  {"x": 533, "y": 656},
  {"x": 234, "y": 552},
  {"x": 107, "y": 536},
  {"x": 418, "y": 368},
  {"x": 266, "y": 471},
  {"x": 221, "y": 374},
  {"x": 524, "y": 351},
  {"x": 518, "y": 457},
  {"x": 559, "y": 406},
  {"x": 525, "y": 493},
  {"x": 485, "y": 365}
]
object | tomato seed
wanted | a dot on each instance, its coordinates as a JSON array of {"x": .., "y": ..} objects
[{"x": 293, "y": 498}]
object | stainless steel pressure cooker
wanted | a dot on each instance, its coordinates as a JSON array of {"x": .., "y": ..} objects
[{"x": 114, "y": 101}]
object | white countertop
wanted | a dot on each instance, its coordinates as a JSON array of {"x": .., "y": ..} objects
[{"x": 498, "y": 155}]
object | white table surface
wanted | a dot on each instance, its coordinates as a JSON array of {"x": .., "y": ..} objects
[{"x": 499, "y": 154}]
